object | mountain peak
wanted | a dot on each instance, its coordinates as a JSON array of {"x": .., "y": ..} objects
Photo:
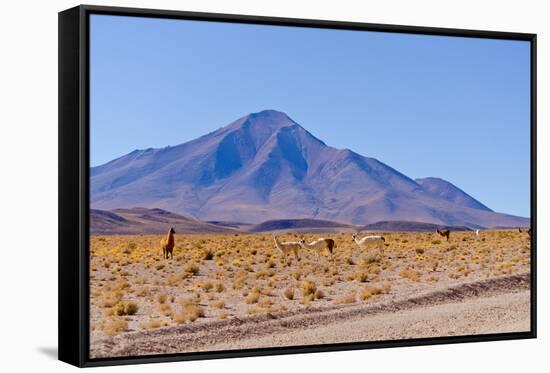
[
  {"x": 270, "y": 114},
  {"x": 266, "y": 120}
]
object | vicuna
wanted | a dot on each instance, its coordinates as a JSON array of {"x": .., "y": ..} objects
[
  {"x": 167, "y": 244},
  {"x": 444, "y": 233},
  {"x": 287, "y": 247},
  {"x": 369, "y": 241},
  {"x": 320, "y": 245}
]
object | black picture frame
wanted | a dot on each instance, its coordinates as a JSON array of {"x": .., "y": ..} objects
[{"x": 74, "y": 187}]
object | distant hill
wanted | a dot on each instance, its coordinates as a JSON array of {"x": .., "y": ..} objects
[
  {"x": 229, "y": 224},
  {"x": 157, "y": 221},
  {"x": 265, "y": 166},
  {"x": 148, "y": 221},
  {"x": 409, "y": 226},
  {"x": 299, "y": 225}
]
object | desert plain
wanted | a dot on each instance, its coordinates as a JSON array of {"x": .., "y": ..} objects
[{"x": 238, "y": 291}]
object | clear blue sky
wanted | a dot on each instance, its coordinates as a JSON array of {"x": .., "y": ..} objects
[{"x": 455, "y": 108}]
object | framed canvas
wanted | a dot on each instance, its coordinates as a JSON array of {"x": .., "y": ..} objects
[{"x": 236, "y": 186}]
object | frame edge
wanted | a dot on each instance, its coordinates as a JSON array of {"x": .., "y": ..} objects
[{"x": 70, "y": 349}]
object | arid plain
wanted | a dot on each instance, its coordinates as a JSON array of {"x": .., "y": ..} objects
[{"x": 234, "y": 291}]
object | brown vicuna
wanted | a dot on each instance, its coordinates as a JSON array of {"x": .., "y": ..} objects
[
  {"x": 444, "y": 233},
  {"x": 167, "y": 244},
  {"x": 320, "y": 245}
]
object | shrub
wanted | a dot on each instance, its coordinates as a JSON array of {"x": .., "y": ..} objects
[
  {"x": 253, "y": 297},
  {"x": 362, "y": 276},
  {"x": 369, "y": 291},
  {"x": 308, "y": 288},
  {"x": 419, "y": 250},
  {"x": 190, "y": 311},
  {"x": 110, "y": 299},
  {"x": 191, "y": 268},
  {"x": 165, "y": 309},
  {"x": 297, "y": 275},
  {"x": 410, "y": 274},
  {"x": 125, "y": 308},
  {"x": 218, "y": 304},
  {"x": 289, "y": 293},
  {"x": 239, "y": 280},
  {"x": 369, "y": 258},
  {"x": 207, "y": 254},
  {"x": 129, "y": 248},
  {"x": 218, "y": 287},
  {"x": 319, "y": 294},
  {"x": 161, "y": 298},
  {"x": 206, "y": 286},
  {"x": 114, "y": 327}
]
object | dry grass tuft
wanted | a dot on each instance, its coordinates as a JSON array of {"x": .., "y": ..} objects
[
  {"x": 217, "y": 304},
  {"x": 110, "y": 299},
  {"x": 191, "y": 268},
  {"x": 252, "y": 298},
  {"x": 189, "y": 311},
  {"x": 289, "y": 293},
  {"x": 308, "y": 288},
  {"x": 410, "y": 274},
  {"x": 115, "y": 326},
  {"x": 125, "y": 308},
  {"x": 319, "y": 294}
]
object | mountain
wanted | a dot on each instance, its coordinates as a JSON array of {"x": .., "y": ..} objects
[
  {"x": 265, "y": 166},
  {"x": 449, "y": 192},
  {"x": 147, "y": 221}
]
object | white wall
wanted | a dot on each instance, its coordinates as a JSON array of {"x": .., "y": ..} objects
[{"x": 28, "y": 183}]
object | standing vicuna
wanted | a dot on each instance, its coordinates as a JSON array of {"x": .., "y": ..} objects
[
  {"x": 370, "y": 241},
  {"x": 287, "y": 247},
  {"x": 444, "y": 233},
  {"x": 319, "y": 245},
  {"x": 167, "y": 244}
]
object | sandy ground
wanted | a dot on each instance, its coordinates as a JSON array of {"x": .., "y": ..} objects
[
  {"x": 496, "y": 305},
  {"x": 497, "y": 314}
]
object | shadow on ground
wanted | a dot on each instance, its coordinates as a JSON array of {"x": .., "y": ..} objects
[{"x": 50, "y": 352}]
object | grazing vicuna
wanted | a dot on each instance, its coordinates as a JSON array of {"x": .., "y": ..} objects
[
  {"x": 444, "y": 233},
  {"x": 167, "y": 244},
  {"x": 287, "y": 247},
  {"x": 319, "y": 245},
  {"x": 369, "y": 241},
  {"x": 525, "y": 230}
]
